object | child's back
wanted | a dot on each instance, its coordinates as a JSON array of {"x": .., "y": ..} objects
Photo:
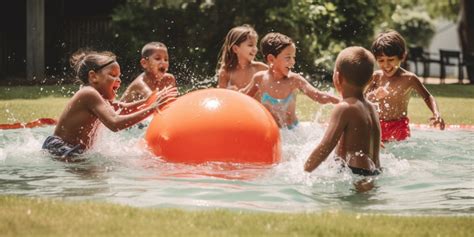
[
  {"x": 359, "y": 144},
  {"x": 353, "y": 125}
]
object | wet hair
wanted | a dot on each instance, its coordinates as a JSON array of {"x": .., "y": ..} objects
[
  {"x": 150, "y": 48},
  {"x": 274, "y": 43},
  {"x": 389, "y": 43},
  {"x": 356, "y": 65},
  {"x": 84, "y": 61},
  {"x": 227, "y": 58}
]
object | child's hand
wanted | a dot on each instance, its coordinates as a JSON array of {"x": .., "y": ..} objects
[
  {"x": 232, "y": 87},
  {"x": 165, "y": 96},
  {"x": 381, "y": 92},
  {"x": 437, "y": 120}
]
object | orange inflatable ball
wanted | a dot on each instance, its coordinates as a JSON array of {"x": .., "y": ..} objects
[{"x": 215, "y": 125}]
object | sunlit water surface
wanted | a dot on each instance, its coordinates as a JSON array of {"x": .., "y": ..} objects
[{"x": 431, "y": 173}]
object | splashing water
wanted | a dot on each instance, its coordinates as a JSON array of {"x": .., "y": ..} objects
[{"x": 431, "y": 173}]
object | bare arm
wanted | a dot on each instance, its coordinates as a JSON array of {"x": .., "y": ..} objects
[
  {"x": 223, "y": 79},
  {"x": 373, "y": 92},
  {"x": 114, "y": 121},
  {"x": 377, "y": 136},
  {"x": 430, "y": 101},
  {"x": 314, "y": 93},
  {"x": 330, "y": 139},
  {"x": 170, "y": 79},
  {"x": 252, "y": 88}
]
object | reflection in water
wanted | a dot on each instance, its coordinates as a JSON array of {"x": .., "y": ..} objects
[{"x": 431, "y": 173}]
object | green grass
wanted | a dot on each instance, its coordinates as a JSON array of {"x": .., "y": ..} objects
[
  {"x": 50, "y": 217},
  {"x": 21, "y": 216},
  {"x": 456, "y": 104},
  {"x": 26, "y": 103}
]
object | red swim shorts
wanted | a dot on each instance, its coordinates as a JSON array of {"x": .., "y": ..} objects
[{"x": 395, "y": 130}]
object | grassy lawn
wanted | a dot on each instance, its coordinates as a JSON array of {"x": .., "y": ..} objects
[
  {"x": 20, "y": 216},
  {"x": 26, "y": 103},
  {"x": 47, "y": 217},
  {"x": 456, "y": 103}
]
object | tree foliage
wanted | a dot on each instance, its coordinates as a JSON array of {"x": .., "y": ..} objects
[{"x": 194, "y": 30}]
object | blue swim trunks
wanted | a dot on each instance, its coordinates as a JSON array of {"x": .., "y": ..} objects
[{"x": 58, "y": 147}]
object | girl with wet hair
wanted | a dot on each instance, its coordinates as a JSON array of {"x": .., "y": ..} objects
[{"x": 236, "y": 65}]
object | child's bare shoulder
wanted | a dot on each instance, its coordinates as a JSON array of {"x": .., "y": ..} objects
[
  {"x": 258, "y": 76},
  {"x": 168, "y": 77},
  {"x": 86, "y": 95}
]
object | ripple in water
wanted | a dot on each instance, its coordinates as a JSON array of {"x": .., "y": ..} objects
[{"x": 431, "y": 173}]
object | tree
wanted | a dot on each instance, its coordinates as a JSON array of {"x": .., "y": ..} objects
[
  {"x": 194, "y": 30},
  {"x": 466, "y": 35}
]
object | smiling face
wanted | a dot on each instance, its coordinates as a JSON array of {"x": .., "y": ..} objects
[
  {"x": 284, "y": 61},
  {"x": 157, "y": 63},
  {"x": 389, "y": 64},
  {"x": 107, "y": 81},
  {"x": 247, "y": 50}
]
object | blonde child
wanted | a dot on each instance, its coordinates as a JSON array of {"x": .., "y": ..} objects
[
  {"x": 155, "y": 64},
  {"x": 276, "y": 87},
  {"x": 391, "y": 88},
  {"x": 94, "y": 104},
  {"x": 354, "y": 125},
  {"x": 236, "y": 63}
]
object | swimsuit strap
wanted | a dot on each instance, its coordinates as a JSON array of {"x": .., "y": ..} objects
[{"x": 274, "y": 101}]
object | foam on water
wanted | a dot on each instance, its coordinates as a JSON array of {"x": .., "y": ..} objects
[{"x": 431, "y": 173}]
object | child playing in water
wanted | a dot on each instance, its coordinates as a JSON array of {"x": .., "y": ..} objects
[
  {"x": 155, "y": 64},
  {"x": 275, "y": 87},
  {"x": 236, "y": 62},
  {"x": 94, "y": 104},
  {"x": 391, "y": 88},
  {"x": 354, "y": 123}
]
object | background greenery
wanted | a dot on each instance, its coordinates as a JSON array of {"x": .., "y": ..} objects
[{"x": 194, "y": 30}]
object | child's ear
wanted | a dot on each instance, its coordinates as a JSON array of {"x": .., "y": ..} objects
[
  {"x": 143, "y": 62},
  {"x": 234, "y": 48},
  {"x": 337, "y": 78},
  {"x": 92, "y": 77},
  {"x": 270, "y": 58}
]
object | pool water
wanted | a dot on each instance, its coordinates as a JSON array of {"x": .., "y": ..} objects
[{"x": 431, "y": 173}]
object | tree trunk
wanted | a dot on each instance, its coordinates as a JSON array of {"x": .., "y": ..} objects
[{"x": 466, "y": 35}]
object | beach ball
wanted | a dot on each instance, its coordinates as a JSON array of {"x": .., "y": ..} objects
[{"x": 215, "y": 125}]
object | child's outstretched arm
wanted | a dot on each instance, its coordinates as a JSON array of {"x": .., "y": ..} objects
[
  {"x": 252, "y": 88},
  {"x": 315, "y": 94},
  {"x": 436, "y": 119},
  {"x": 331, "y": 137},
  {"x": 130, "y": 107},
  {"x": 373, "y": 92},
  {"x": 111, "y": 119}
]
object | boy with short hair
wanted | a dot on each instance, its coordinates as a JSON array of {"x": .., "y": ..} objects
[
  {"x": 354, "y": 124},
  {"x": 391, "y": 88},
  {"x": 155, "y": 63}
]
